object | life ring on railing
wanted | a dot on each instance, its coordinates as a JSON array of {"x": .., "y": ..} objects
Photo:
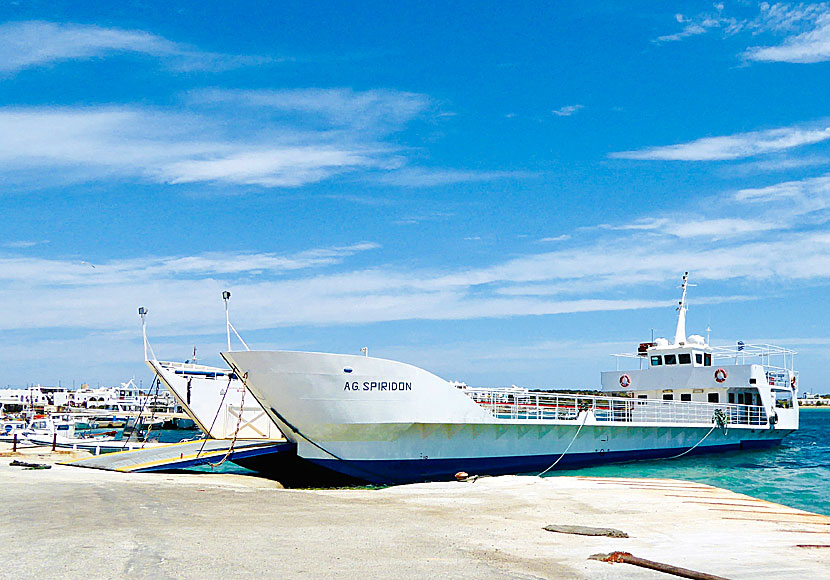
[
  {"x": 625, "y": 381},
  {"x": 792, "y": 382},
  {"x": 720, "y": 375}
]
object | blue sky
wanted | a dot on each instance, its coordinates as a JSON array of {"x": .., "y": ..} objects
[{"x": 502, "y": 195}]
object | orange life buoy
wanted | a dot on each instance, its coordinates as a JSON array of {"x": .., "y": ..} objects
[
  {"x": 625, "y": 381},
  {"x": 792, "y": 382},
  {"x": 720, "y": 375}
]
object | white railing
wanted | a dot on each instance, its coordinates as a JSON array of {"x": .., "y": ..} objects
[{"x": 554, "y": 406}]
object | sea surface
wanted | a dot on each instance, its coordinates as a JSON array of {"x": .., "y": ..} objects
[{"x": 796, "y": 474}]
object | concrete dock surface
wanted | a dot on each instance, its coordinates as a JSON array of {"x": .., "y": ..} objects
[{"x": 69, "y": 522}]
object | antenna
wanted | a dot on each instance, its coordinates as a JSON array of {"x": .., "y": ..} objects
[{"x": 680, "y": 333}]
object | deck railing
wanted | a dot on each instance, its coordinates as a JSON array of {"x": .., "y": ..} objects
[{"x": 552, "y": 406}]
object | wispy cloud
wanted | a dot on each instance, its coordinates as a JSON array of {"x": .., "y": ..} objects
[
  {"x": 805, "y": 29},
  {"x": 779, "y": 163},
  {"x": 423, "y": 177},
  {"x": 341, "y": 107},
  {"x": 582, "y": 278},
  {"x": 700, "y": 227},
  {"x": 567, "y": 110},
  {"x": 729, "y": 147},
  {"x": 169, "y": 146},
  {"x": 19, "y": 244},
  {"x": 805, "y": 201},
  {"x": 703, "y": 23},
  {"x": 36, "y": 43},
  {"x": 807, "y": 46},
  {"x": 41, "y": 271},
  {"x": 561, "y": 238}
]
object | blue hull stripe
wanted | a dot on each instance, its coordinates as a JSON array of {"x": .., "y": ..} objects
[{"x": 414, "y": 470}]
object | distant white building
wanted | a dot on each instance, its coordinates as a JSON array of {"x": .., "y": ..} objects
[{"x": 126, "y": 397}]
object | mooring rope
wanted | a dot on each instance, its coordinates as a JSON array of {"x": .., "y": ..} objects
[
  {"x": 585, "y": 418},
  {"x": 718, "y": 420}
]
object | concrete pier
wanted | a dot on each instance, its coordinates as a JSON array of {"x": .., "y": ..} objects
[{"x": 67, "y": 522}]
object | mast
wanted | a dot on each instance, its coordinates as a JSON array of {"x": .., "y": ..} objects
[{"x": 680, "y": 333}]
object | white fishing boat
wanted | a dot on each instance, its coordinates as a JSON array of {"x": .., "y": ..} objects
[
  {"x": 61, "y": 430},
  {"x": 11, "y": 428},
  {"x": 385, "y": 421}
]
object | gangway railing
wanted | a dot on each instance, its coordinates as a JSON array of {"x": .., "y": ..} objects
[{"x": 554, "y": 406}]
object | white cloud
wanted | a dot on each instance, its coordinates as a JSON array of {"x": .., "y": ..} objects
[
  {"x": 808, "y": 47},
  {"x": 24, "y": 243},
  {"x": 804, "y": 202},
  {"x": 779, "y": 163},
  {"x": 87, "y": 144},
  {"x": 36, "y": 43},
  {"x": 696, "y": 226},
  {"x": 44, "y": 293},
  {"x": 339, "y": 106},
  {"x": 46, "y": 272},
  {"x": 805, "y": 28},
  {"x": 561, "y": 238},
  {"x": 729, "y": 147},
  {"x": 423, "y": 177},
  {"x": 567, "y": 110}
]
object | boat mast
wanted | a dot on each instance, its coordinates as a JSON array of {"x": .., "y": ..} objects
[{"x": 680, "y": 333}]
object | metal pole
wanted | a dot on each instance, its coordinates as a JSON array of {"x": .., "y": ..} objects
[
  {"x": 14, "y": 444},
  {"x": 142, "y": 312},
  {"x": 226, "y": 297}
]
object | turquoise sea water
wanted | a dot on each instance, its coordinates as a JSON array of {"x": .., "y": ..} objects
[{"x": 796, "y": 474}]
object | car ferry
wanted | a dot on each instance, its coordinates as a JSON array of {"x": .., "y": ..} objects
[{"x": 382, "y": 421}]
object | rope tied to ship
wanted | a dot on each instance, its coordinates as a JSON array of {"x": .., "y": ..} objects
[
  {"x": 718, "y": 420},
  {"x": 583, "y": 409}
]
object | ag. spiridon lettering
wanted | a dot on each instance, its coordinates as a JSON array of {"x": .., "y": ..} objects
[{"x": 378, "y": 386}]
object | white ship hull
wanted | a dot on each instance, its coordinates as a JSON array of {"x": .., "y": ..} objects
[
  {"x": 388, "y": 422},
  {"x": 214, "y": 400}
]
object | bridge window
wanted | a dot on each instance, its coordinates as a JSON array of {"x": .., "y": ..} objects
[
  {"x": 685, "y": 396},
  {"x": 656, "y": 361},
  {"x": 699, "y": 358},
  {"x": 668, "y": 397},
  {"x": 670, "y": 359},
  {"x": 783, "y": 399},
  {"x": 714, "y": 398},
  {"x": 707, "y": 359},
  {"x": 685, "y": 358},
  {"x": 732, "y": 398}
]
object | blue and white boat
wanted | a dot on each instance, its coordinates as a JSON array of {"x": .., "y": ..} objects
[{"x": 383, "y": 421}]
